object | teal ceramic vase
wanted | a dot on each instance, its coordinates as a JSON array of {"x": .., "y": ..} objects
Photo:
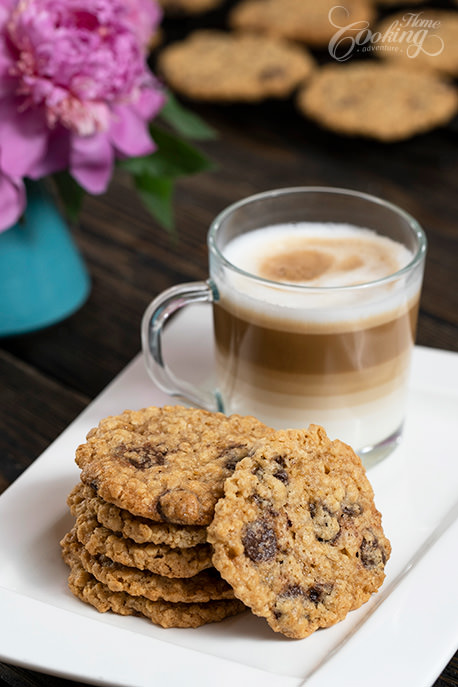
[{"x": 43, "y": 278}]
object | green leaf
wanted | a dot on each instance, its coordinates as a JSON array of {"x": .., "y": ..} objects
[
  {"x": 173, "y": 158},
  {"x": 70, "y": 193},
  {"x": 135, "y": 165},
  {"x": 156, "y": 194},
  {"x": 154, "y": 175},
  {"x": 185, "y": 122}
]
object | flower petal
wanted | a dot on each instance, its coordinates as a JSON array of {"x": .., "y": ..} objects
[
  {"x": 149, "y": 103},
  {"x": 91, "y": 161},
  {"x": 57, "y": 154},
  {"x": 144, "y": 17},
  {"x": 6, "y": 7},
  {"x": 6, "y": 58},
  {"x": 129, "y": 133},
  {"x": 12, "y": 201},
  {"x": 23, "y": 138},
  {"x": 7, "y": 83}
]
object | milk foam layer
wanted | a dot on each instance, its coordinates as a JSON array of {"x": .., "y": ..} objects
[
  {"x": 354, "y": 255},
  {"x": 327, "y": 255}
]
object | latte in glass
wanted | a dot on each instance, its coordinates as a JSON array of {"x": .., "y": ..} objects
[
  {"x": 336, "y": 357},
  {"x": 315, "y": 294}
]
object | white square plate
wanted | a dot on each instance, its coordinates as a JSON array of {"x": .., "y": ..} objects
[{"x": 404, "y": 635}]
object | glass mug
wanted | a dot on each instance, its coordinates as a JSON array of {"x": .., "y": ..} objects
[{"x": 291, "y": 353}]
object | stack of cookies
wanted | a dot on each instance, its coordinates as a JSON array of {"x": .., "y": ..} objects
[
  {"x": 149, "y": 483},
  {"x": 187, "y": 517}
]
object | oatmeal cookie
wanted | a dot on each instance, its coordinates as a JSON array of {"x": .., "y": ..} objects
[
  {"x": 376, "y": 100},
  {"x": 221, "y": 66},
  {"x": 159, "y": 559},
  {"x": 184, "y": 7},
  {"x": 297, "y": 534},
  {"x": 166, "y": 464},
  {"x": 205, "y": 586},
  {"x": 431, "y": 43},
  {"x": 83, "y": 499},
  {"x": 164, "y": 613},
  {"x": 309, "y": 21}
]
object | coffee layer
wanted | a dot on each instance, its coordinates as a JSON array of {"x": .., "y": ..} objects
[
  {"x": 298, "y": 353},
  {"x": 239, "y": 378},
  {"x": 358, "y": 419}
]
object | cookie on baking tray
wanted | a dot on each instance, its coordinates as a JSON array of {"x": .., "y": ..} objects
[
  {"x": 426, "y": 38},
  {"x": 157, "y": 558},
  {"x": 202, "y": 587},
  {"x": 83, "y": 499},
  {"x": 308, "y": 21},
  {"x": 377, "y": 100},
  {"x": 223, "y": 66},
  {"x": 166, "y": 464},
  {"x": 164, "y": 613},
  {"x": 297, "y": 534}
]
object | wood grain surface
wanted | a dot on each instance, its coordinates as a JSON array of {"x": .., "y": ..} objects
[{"x": 48, "y": 377}]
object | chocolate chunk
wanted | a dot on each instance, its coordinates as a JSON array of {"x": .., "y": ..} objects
[
  {"x": 325, "y": 524},
  {"x": 233, "y": 454},
  {"x": 271, "y": 73},
  {"x": 259, "y": 541},
  {"x": 141, "y": 457},
  {"x": 258, "y": 472},
  {"x": 293, "y": 591},
  {"x": 372, "y": 554},
  {"x": 318, "y": 592},
  {"x": 282, "y": 475},
  {"x": 352, "y": 509},
  {"x": 280, "y": 460}
]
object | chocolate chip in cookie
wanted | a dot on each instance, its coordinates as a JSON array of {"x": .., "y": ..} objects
[{"x": 297, "y": 534}]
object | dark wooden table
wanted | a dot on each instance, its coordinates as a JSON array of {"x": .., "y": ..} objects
[{"x": 48, "y": 377}]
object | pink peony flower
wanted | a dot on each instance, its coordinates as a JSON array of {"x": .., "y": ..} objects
[
  {"x": 75, "y": 89},
  {"x": 144, "y": 16}
]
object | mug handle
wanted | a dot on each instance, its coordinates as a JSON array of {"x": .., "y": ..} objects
[{"x": 154, "y": 320}]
